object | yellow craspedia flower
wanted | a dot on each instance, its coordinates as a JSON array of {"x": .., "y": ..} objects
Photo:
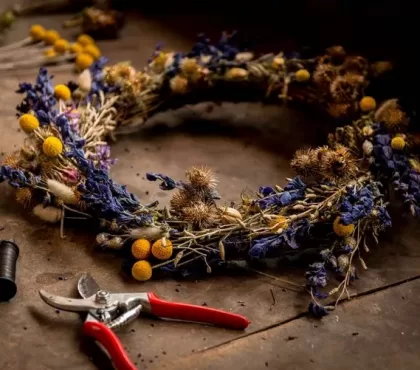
[
  {"x": 367, "y": 103},
  {"x": 342, "y": 230},
  {"x": 51, "y": 36},
  {"x": 178, "y": 84},
  {"x": 61, "y": 46},
  {"x": 85, "y": 40},
  {"x": 28, "y": 122},
  {"x": 398, "y": 143},
  {"x": 280, "y": 222},
  {"x": 37, "y": 32},
  {"x": 50, "y": 53},
  {"x": 141, "y": 271},
  {"x": 52, "y": 146},
  {"x": 62, "y": 92},
  {"x": 162, "y": 250},
  {"x": 76, "y": 48},
  {"x": 302, "y": 75},
  {"x": 189, "y": 65},
  {"x": 161, "y": 58},
  {"x": 92, "y": 50},
  {"x": 141, "y": 249},
  {"x": 84, "y": 61}
]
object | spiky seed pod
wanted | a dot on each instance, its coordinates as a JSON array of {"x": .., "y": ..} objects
[
  {"x": 339, "y": 110},
  {"x": 324, "y": 74},
  {"x": 392, "y": 116},
  {"x": 201, "y": 177},
  {"x": 305, "y": 162},
  {"x": 181, "y": 199},
  {"x": 199, "y": 215},
  {"x": 12, "y": 160},
  {"x": 336, "y": 54},
  {"x": 346, "y": 88},
  {"x": 337, "y": 164},
  {"x": 24, "y": 196}
]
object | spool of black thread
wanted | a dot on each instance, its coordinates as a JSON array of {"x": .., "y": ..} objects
[{"x": 9, "y": 253}]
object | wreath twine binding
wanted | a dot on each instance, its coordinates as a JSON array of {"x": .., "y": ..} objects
[{"x": 333, "y": 207}]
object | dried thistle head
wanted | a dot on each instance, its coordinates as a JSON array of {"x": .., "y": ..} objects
[
  {"x": 24, "y": 196},
  {"x": 324, "y": 74},
  {"x": 180, "y": 199},
  {"x": 392, "y": 116},
  {"x": 338, "y": 164},
  {"x": 199, "y": 214},
  {"x": 305, "y": 162},
  {"x": 339, "y": 110},
  {"x": 12, "y": 160},
  {"x": 336, "y": 54},
  {"x": 346, "y": 136},
  {"x": 201, "y": 177},
  {"x": 356, "y": 65},
  {"x": 346, "y": 88}
]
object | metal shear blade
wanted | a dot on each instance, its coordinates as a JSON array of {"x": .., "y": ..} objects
[
  {"x": 70, "y": 304},
  {"x": 87, "y": 286}
]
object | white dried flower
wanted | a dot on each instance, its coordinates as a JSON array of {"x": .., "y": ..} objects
[
  {"x": 85, "y": 80},
  {"x": 62, "y": 192},
  {"x": 149, "y": 233},
  {"x": 116, "y": 243},
  {"x": 48, "y": 214},
  {"x": 230, "y": 215},
  {"x": 244, "y": 57},
  {"x": 102, "y": 238},
  {"x": 205, "y": 59},
  {"x": 367, "y": 147}
]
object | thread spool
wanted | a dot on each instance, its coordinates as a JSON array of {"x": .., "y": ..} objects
[{"x": 9, "y": 253}]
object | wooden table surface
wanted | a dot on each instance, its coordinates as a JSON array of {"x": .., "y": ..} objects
[{"x": 379, "y": 329}]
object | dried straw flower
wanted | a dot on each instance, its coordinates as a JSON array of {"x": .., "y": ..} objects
[
  {"x": 24, "y": 196},
  {"x": 346, "y": 88},
  {"x": 199, "y": 214},
  {"x": 324, "y": 74},
  {"x": 201, "y": 177},
  {"x": 305, "y": 162}
]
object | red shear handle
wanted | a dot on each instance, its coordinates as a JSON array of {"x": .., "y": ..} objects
[
  {"x": 188, "y": 312},
  {"x": 112, "y": 344}
]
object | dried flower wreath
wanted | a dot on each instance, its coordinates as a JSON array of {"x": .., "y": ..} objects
[{"x": 337, "y": 202}]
